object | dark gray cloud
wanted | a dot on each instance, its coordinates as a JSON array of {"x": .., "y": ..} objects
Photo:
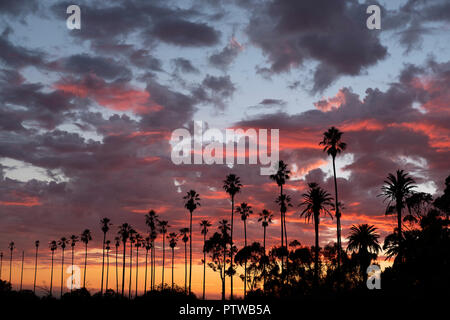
[{"x": 184, "y": 66}]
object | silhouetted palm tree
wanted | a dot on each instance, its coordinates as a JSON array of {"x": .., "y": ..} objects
[
  {"x": 124, "y": 233},
  {"x": 148, "y": 246},
  {"x": 85, "y": 238},
  {"x": 105, "y": 223},
  {"x": 396, "y": 189},
  {"x": 107, "y": 248},
  {"x": 265, "y": 217},
  {"x": 11, "y": 247},
  {"x": 173, "y": 237},
  {"x": 132, "y": 241},
  {"x": 244, "y": 210},
  {"x": 73, "y": 241},
  {"x": 204, "y": 224},
  {"x": 36, "y": 244},
  {"x": 117, "y": 245},
  {"x": 1, "y": 264},
  {"x": 150, "y": 221},
  {"x": 224, "y": 227},
  {"x": 139, "y": 241},
  {"x": 21, "y": 272},
  {"x": 62, "y": 243},
  {"x": 333, "y": 145},
  {"x": 363, "y": 240},
  {"x": 284, "y": 201},
  {"x": 185, "y": 238},
  {"x": 280, "y": 178},
  {"x": 316, "y": 201},
  {"x": 191, "y": 202},
  {"x": 163, "y": 225},
  {"x": 53, "y": 245},
  {"x": 232, "y": 185}
]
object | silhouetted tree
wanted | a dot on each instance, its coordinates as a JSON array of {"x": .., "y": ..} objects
[
  {"x": 62, "y": 243},
  {"x": 21, "y": 271},
  {"x": 173, "y": 237},
  {"x": 107, "y": 248},
  {"x": 204, "y": 224},
  {"x": 105, "y": 224},
  {"x": 85, "y": 238},
  {"x": 148, "y": 246},
  {"x": 316, "y": 201},
  {"x": 254, "y": 254},
  {"x": 132, "y": 241},
  {"x": 1, "y": 264},
  {"x": 245, "y": 211},
  {"x": 53, "y": 245},
  {"x": 232, "y": 185},
  {"x": 191, "y": 202},
  {"x": 265, "y": 217},
  {"x": 443, "y": 202},
  {"x": 124, "y": 232},
  {"x": 117, "y": 245},
  {"x": 150, "y": 221},
  {"x": 73, "y": 241},
  {"x": 163, "y": 225},
  {"x": 11, "y": 247},
  {"x": 139, "y": 242},
  {"x": 36, "y": 244}
]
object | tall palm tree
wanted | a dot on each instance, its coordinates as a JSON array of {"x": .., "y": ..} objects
[
  {"x": 53, "y": 245},
  {"x": 124, "y": 234},
  {"x": 105, "y": 224},
  {"x": 224, "y": 227},
  {"x": 85, "y": 238},
  {"x": 232, "y": 185},
  {"x": 1, "y": 264},
  {"x": 363, "y": 240},
  {"x": 280, "y": 177},
  {"x": 316, "y": 201},
  {"x": 204, "y": 224},
  {"x": 163, "y": 225},
  {"x": 191, "y": 202},
  {"x": 173, "y": 237},
  {"x": 62, "y": 243},
  {"x": 132, "y": 241},
  {"x": 185, "y": 238},
  {"x": 139, "y": 241},
  {"x": 11, "y": 247},
  {"x": 73, "y": 241},
  {"x": 284, "y": 201},
  {"x": 396, "y": 189},
  {"x": 266, "y": 218},
  {"x": 150, "y": 221},
  {"x": 21, "y": 271},
  {"x": 147, "y": 246},
  {"x": 117, "y": 245},
  {"x": 333, "y": 145},
  {"x": 107, "y": 248},
  {"x": 36, "y": 244},
  {"x": 245, "y": 211}
]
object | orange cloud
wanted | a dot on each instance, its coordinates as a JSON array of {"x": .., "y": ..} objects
[{"x": 26, "y": 202}]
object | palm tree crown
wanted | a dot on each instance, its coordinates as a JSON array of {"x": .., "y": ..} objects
[{"x": 332, "y": 143}]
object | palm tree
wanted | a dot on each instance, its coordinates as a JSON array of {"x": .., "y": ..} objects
[
  {"x": 224, "y": 227},
  {"x": 124, "y": 233},
  {"x": 53, "y": 245},
  {"x": 117, "y": 245},
  {"x": 265, "y": 217},
  {"x": 105, "y": 223},
  {"x": 21, "y": 272},
  {"x": 62, "y": 243},
  {"x": 191, "y": 202},
  {"x": 333, "y": 145},
  {"x": 73, "y": 241},
  {"x": 107, "y": 248},
  {"x": 139, "y": 241},
  {"x": 147, "y": 246},
  {"x": 11, "y": 247},
  {"x": 1, "y": 264},
  {"x": 284, "y": 201},
  {"x": 185, "y": 238},
  {"x": 280, "y": 178},
  {"x": 363, "y": 240},
  {"x": 173, "y": 237},
  {"x": 163, "y": 225},
  {"x": 36, "y": 244},
  {"x": 232, "y": 185},
  {"x": 132, "y": 241},
  {"x": 244, "y": 210},
  {"x": 85, "y": 238},
  {"x": 204, "y": 224},
  {"x": 150, "y": 221},
  {"x": 316, "y": 201},
  {"x": 396, "y": 189}
]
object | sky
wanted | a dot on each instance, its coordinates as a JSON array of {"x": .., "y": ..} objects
[{"x": 86, "y": 115}]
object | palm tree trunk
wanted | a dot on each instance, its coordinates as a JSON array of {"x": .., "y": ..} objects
[
  {"x": 190, "y": 252},
  {"x": 316, "y": 250},
  {"x": 103, "y": 261},
  {"x": 35, "y": 271},
  {"x": 245, "y": 266},
  {"x": 399, "y": 228},
  {"x": 137, "y": 270},
  {"x": 185, "y": 267},
  {"x": 338, "y": 218},
  {"x": 117, "y": 272},
  {"x": 164, "y": 255},
  {"x": 123, "y": 267},
  {"x": 282, "y": 231},
  {"x": 51, "y": 276},
  {"x": 145, "y": 280},
  {"x": 151, "y": 267},
  {"x": 62, "y": 272},
  {"x": 85, "y": 265},
  {"x": 173, "y": 254},
  {"x": 71, "y": 281},
  {"x": 131, "y": 269},
  {"x": 224, "y": 269},
  {"x": 107, "y": 270},
  {"x": 10, "y": 266},
  {"x": 204, "y": 265},
  {"x": 231, "y": 248},
  {"x": 21, "y": 273},
  {"x": 264, "y": 266}
]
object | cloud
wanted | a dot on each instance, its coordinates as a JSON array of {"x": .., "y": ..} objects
[
  {"x": 184, "y": 65},
  {"x": 224, "y": 58}
]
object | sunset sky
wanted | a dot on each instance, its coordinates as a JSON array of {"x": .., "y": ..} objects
[{"x": 86, "y": 115}]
